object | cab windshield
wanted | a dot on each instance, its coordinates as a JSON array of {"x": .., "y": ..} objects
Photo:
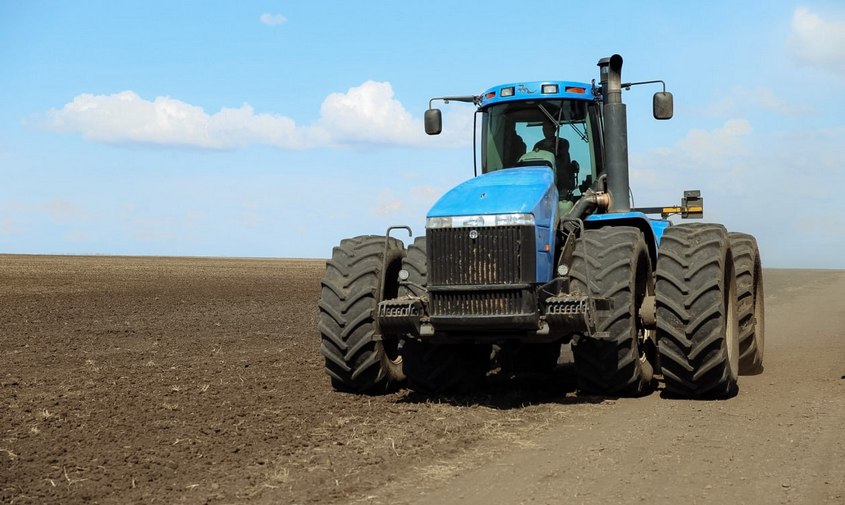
[{"x": 560, "y": 134}]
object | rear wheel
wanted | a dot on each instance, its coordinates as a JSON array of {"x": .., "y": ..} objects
[
  {"x": 437, "y": 368},
  {"x": 749, "y": 295},
  {"x": 613, "y": 263},
  {"x": 697, "y": 325},
  {"x": 357, "y": 277}
]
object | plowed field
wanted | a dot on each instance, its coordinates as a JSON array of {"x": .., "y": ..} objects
[{"x": 192, "y": 380}]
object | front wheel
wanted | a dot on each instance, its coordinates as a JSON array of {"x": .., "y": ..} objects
[
  {"x": 613, "y": 263},
  {"x": 357, "y": 277}
]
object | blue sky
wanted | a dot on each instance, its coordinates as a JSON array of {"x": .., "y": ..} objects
[{"x": 277, "y": 128}]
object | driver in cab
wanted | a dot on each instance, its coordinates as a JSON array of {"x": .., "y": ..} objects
[{"x": 554, "y": 151}]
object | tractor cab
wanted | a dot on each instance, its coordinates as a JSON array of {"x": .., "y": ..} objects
[
  {"x": 556, "y": 124},
  {"x": 543, "y": 123}
]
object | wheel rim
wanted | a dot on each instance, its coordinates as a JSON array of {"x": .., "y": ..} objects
[
  {"x": 643, "y": 287},
  {"x": 731, "y": 323},
  {"x": 391, "y": 351},
  {"x": 759, "y": 314},
  {"x": 390, "y": 289}
]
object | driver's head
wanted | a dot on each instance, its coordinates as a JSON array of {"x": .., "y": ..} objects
[{"x": 548, "y": 129}]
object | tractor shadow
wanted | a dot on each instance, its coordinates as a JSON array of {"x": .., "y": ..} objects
[
  {"x": 665, "y": 394},
  {"x": 508, "y": 391}
]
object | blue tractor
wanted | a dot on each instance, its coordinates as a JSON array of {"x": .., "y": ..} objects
[{"x": 544, "y": 249}]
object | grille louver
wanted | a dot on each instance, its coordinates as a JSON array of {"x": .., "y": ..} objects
[{"x": 496, "y": 255}]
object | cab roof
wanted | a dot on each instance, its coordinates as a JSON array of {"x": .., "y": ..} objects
[{"x": 538, "y": 90}]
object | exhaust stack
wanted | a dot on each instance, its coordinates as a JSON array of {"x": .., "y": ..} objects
[{"x": 615, "y": 134}]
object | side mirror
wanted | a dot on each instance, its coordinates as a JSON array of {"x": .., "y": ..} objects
[
  {"x": 433, "y": 122},
  {"x": 663, "y": 105}
]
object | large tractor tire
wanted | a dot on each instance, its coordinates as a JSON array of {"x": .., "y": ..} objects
[
  {"x": 697, "y": 323},
  {"x": 749, "y": 295},
  {"x": 358, "y": 277},
  {"x": 613, "y": 262},
  {"x": 437, "y": 368},
  {"x": 415, "y": 264}
]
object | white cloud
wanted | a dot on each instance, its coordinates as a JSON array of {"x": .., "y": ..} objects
[
  {"x": 722, "y": 143},
  {"x": 817, "y": 41},
  {"x": 770, "y": 184},
  {"x": 742, "y": 100},
  {"x": 9, "y": 225},
  {"x": 425, "y": 193},
  {"x": 406, "y": 205},
  {"x": 57, "y": 210},
  {"x": 62, "y": 210},
  {"x": 79, "y": 237},
  {"x": 714, "y": 161},
  {"x": 387, "y": 121},
  {"x": 126, "y": 118},
  {"x": 365, "y": 114},
  {"x": 272, "y": 19},
  {"x": 388, "y": 204}
]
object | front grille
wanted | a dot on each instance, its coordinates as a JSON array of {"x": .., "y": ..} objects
[
  {"x": 483, "y": 255},
  {"x": 478, "y": 303}
]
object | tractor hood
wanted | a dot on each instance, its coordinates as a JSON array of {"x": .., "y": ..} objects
[
  {"x": 523, "y": 190},
  {"x": 529, "y": 190}
]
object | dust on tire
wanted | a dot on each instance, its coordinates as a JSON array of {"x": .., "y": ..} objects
[
  {"x": 750, "y": 308},
  {"x": 697, "y": 325},
  {"x": 357, "y": 277},
  {"x": 613, "y": 262}
]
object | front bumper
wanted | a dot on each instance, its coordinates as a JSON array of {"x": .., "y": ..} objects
[{"x": 490, "y": 313}]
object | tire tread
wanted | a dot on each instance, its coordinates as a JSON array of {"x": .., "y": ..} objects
[
  {"x": 691, "y": 318},
  {"x": 351, "y": 288},
  {"x": 602, "y": 266}
]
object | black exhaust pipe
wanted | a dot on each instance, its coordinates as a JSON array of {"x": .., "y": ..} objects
[{"x": 615, "y": 134}]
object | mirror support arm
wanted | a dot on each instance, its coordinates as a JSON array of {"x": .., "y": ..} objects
[{"x": 627, "y": 85}]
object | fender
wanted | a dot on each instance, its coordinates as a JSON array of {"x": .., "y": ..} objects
[{"x": 652, "y": 229}]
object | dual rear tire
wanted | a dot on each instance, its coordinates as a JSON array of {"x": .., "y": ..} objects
[
  {"x": 750, "y": 309},
  {"x": 708, "y": 293},
  {"x": 698, "y": 328}
]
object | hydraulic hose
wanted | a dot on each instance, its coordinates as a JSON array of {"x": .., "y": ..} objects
[{"x": 589, "y": 201}]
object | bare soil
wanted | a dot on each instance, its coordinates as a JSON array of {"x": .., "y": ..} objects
[{"x": 195, "y": 380}]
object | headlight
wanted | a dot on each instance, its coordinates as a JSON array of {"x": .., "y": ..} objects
[
  {"x": 480, "y": 221},
  {"x": 514, "y": 219},
  {"x": 438, "y": 222}
]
